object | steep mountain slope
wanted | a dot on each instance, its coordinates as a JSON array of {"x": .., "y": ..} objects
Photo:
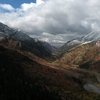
[
  {"x": 18, "y": 39},
  {"x": 85, "y": 53},
  {"x": 67, "y": 46}
]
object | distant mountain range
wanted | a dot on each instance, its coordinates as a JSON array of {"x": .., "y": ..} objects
[
  {"x": 34, "y": 70},
  {"x": 88, "y": 38}
]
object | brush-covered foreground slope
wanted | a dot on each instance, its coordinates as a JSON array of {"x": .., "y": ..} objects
[
  {"x": 86, "y": 53},
  {"x": 22, "y": 78}
]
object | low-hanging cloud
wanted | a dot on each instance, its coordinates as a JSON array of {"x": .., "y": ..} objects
[{"x": 56, "y": 17}]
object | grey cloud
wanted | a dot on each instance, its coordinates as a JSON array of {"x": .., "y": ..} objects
[{"x": 70, "y": 17}]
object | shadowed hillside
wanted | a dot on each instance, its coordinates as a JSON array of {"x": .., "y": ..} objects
[{"x": 24, "y": 79}]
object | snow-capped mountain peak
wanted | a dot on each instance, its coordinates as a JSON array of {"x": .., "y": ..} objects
[{"x": 92, "y": 36}]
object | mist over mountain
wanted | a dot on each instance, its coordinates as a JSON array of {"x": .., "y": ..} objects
[{"x": 68, "y": 20}]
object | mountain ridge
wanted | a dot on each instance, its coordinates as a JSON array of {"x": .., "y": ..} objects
[{"x": 10, "y": 36}]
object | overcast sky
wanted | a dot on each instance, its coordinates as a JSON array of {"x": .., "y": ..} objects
[{"x": 52, "y": 20}]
